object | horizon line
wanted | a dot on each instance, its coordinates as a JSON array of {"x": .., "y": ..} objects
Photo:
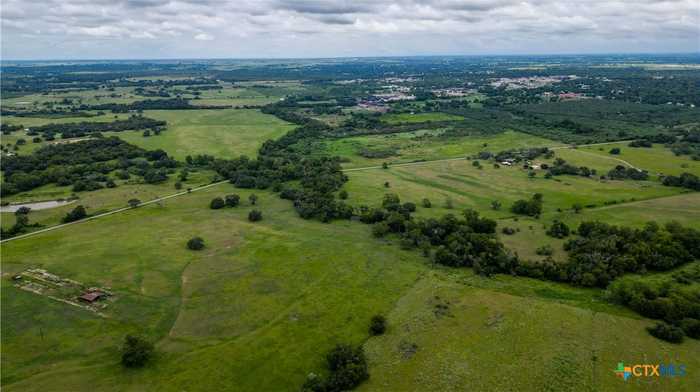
[{"x": 357, "y": 57}]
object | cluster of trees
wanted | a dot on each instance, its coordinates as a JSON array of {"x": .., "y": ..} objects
[
  {"x": 685, "y": 180},
  {"x": 79, "y": 129},
  {"x": 347, "y": 367},
  {"x": 532, "y": 207},
  {"x": 603, "y": 252},
  {"x": 469, "y": 241},
  {"x": 232, "y": 200},
  {"x": 673, "y": 300},
  {"x": 627, "y": 173},
  {"x": 286, "y": 159},
  {"x": 21, "y": 224},
  {"x": 7, "y": 129},
  {"x": 85, "y": 165},
  {"x": 524, "y": 154},
  {"x": 561, "y": 167},
  {"x": 151, "y": 104}
]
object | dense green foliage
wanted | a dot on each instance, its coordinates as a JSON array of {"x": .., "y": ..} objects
[
  {"x": 85, "y": 165},
  {"x": 68, "y": 130},
  {"x": 348, "y": 369},
  {"x": 136, "y": 351}
]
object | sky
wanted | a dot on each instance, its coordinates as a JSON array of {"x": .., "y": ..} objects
[{"x": 163, "y": 29}]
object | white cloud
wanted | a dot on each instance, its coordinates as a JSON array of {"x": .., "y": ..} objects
[
  {"x": 203, "y": 37},
  {"x": 306, "y": 28}
]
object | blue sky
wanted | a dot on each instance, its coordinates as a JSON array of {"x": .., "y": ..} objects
[{"x": 132, "y": 29}]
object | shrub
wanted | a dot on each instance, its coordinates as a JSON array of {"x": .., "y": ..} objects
[
  {"x": 508, "y": 230},
  {"x": 196, "y": 243},
  {"x": 667, "y": 332},
  {"x": 377, "y": 325},
  {"x": 544, "y": 250},
  {"x": 253, "y": 199},
  {"x": 409, "y": 207},
  {"x": 136, "y": 351},
  {"x": 615, "y": 151},
  {"x": 427, "y": 203},
  {"x": 78, "y": 213},
  {"x": 255, "y": 216},
  {"x": 558, "y": 230},
  {"x": 133, "y": 203},
  {"x": 217, "y": 203},
  {"x": 691, "y": 327},
  {"x": 232, "y": 200},
  {"x": 380, "y": 229}
]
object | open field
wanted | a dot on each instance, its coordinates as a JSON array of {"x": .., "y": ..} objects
[
  {"x": 273, "y": 294},
  {"x": 488, "y": 340},
  {"x": 101, "y": 200},
  {"x": 277, "y": 294},
  {"x": 412, "y": 118},
  {"x": 476, "y": 188},
  {"x": 657, "y": 160},
  {"x": 412, "y": 146},
  {"x": 224, "y": 133}
]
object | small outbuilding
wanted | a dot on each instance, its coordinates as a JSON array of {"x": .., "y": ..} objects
[{"x": 92, "y": 296}]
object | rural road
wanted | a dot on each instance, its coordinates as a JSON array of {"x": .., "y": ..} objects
[{"x": 344, "y": 170}]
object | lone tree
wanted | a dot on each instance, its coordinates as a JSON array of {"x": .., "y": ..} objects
[
  {"x": 133, "y": 203},
  {"x": 136, "y": 351},
  {"x": 427, "y": 203},
  {"x": 254, "y": 216},
  {"x": 496, "y": 205},
  {"x": 217, "y": 203},
  {"x": 377, "y": 325},
  {"x": 615, "y": 151},
  {"x": 196, "y": 243},
  {"x": 232, "y": 200},
  {"x": 78, "y": 213},
  {"x": 385, "y": 165},
  {"x": 252, "y": 199}
]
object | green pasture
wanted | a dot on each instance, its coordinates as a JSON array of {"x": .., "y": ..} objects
[
  {"x": 427, "y": 145},
  {"x": 223, "y": 133},
  {"x": 657, "y": 160},
  {"x": 101, "y": 200},
  {"x": 412, "y": 118},
  {"x": 454, "y": 335}
]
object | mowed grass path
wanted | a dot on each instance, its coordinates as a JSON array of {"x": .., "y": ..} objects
[{"x": 225, "y": 133}]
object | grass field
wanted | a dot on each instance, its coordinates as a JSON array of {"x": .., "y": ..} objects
[
  {"x": 488, "y": 340},
  {"x": 412, "y": 146},
  {"x": 101, "y": 200},
  {"x": 657, "y": 160},
  {"x": 225, "y": 133},
  {"x": 275, "y": 295},
  {"x": 398, "y": 118}
]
